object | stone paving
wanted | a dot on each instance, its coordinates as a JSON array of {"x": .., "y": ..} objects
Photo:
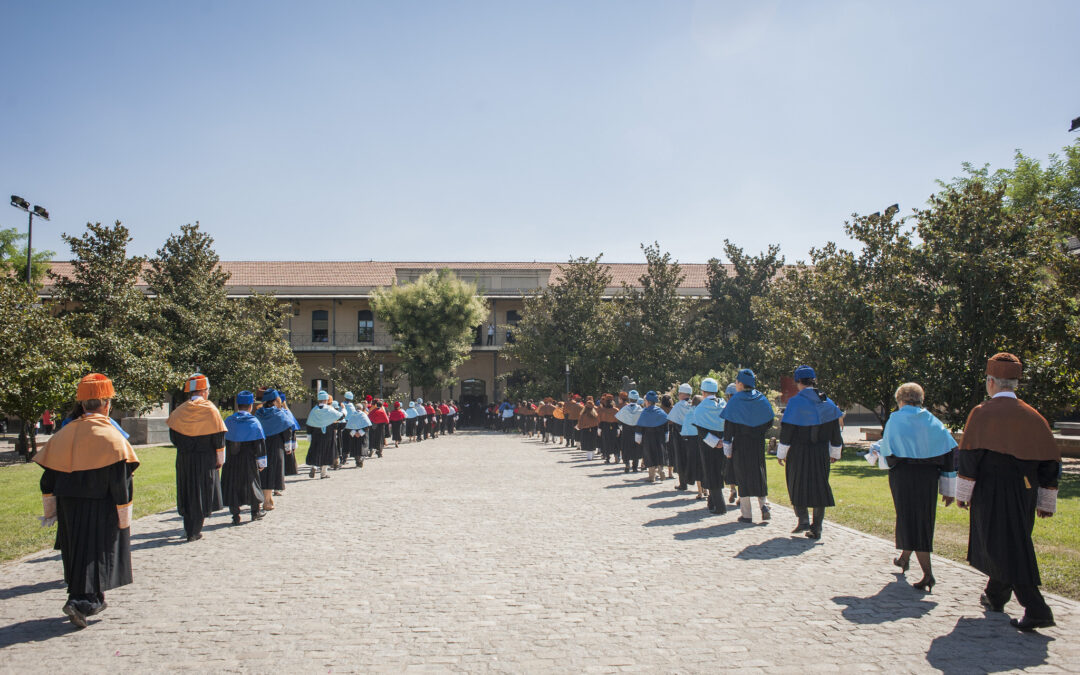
[{"x": 484, "y": 552}]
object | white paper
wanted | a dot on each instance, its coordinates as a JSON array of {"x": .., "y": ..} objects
[
  {"x": 667, "y": 436},
  {"x": 637, "y": 438},
  {"x": 712, "y": 440}
]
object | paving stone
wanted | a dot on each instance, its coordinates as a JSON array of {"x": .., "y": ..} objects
[{"x": 486, "y": 552}]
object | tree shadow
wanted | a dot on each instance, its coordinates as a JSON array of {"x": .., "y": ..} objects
[
  {"x": 857, "y": 471},
  {"x": 27, "y": 589},
  {"x": 721, "y": 530},
  {"x": 987, "y": 644},
  {"x": 777, "y": 547},
  {"x": 35, "y": 630},
  {"x": 896, "y": 600}
]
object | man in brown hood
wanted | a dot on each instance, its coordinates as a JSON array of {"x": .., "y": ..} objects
[{"x": 573, "y": 410}]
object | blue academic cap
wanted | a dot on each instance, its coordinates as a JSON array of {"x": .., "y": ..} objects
[
  {"x": 710, "y": 386},
  {"x": 245, "y": 398},
  {"x": 348, "y": 396},
  {"x": 805, "y": 373},
  {"x": 322, "y": 396},
  {"x": 651, "y": 397},
  {"x": 270, "y": 395},
  {"x": 730, "y": 390},
  {"x": 632, "y": 395},
  {"x": 747, "y": 377}
]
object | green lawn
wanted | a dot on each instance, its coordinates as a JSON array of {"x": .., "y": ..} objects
[
  {"x": 20, "y": 532},
  {"x": 864, "y": 502}
]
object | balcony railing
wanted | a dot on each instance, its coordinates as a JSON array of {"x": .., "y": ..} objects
[{"x": 376, "y": 339}]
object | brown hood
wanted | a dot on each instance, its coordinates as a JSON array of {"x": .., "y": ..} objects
[{"x": 1012, "y": 427}]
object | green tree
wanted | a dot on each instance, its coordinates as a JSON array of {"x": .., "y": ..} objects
[
  {"x": 568, "y": 323},
  {"x": 13, "y": 257},
  {"x": 361, "y": 375},
  {"x": 653, "y": 321},
  {"x": 40, "y": 360},
  {"x": 114, "y": 318},
  {"x": 238, "y": 343},
  {"x": 728, "y": 330},
  {"x": 432, "y": 321},
  {"x": 854, "y": 316},
  {"x": 1000, "y": 280}
]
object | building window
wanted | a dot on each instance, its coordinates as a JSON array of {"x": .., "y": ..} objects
[
  {"x": 320, "y": 326},
  {"x": 365, "y": 326},
  {"x": 512, "y": 317}
]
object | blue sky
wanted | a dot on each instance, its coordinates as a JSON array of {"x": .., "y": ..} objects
[{"x": 426, "y": 130}]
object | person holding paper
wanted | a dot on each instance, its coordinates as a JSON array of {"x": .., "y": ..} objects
[
  {"x": 245, "y": 455},
  {"x": 277, "y": 424},
  {"x": 676, "y": 417},
  {"x": 320, "y": 421},
  {"x": 748, "y": 416},
  {"x": 628, "y": 444},
  {"x": 810, "y": 441},
  {"x": 919, "y": 453},
  {"x": 86, "y": 490},
  {"x": 695, "y": 467},
  {"x": 650, "y": 428},
  {"x": 197, "y": 432},
  {"x": 1009, "y": 470},
  {"x": 710, "y": 429}
]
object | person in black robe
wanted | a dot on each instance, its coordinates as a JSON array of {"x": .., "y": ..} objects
[
  {"x": 397, "y": 421},
  {"x": 198, "y": 433},
  {"x": 278, "y": 428},
  {"x": 811, "y": 439},
  {"x": 380, "y": 422},
  {"x": 677, "y": 448},
  {"x": 322, "y": 450},
  {"x": 748, "y": 416},
  {"x": 919, "y": 453},
  {"x": 87, "y": 491},
  {"x": 652, "y": 428},
  {"x": 629, "y": 447},
  {"x": 1009, "y": 470},
  {"x": 245, "y": 455},
  {"x": 291, "y": 469},
  {"x": 710, "y": 430}
]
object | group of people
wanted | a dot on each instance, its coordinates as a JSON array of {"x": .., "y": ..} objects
[
  {"x": 360, "y": 429},
  {"x": 1005, "y": 471}
]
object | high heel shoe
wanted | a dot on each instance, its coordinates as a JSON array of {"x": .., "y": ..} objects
[
  {"x": 926, "y": 585},
  {"x": 902, "y": 565}
]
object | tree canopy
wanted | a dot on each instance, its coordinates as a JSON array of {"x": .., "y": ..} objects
[
  {"x": 360, "y": 375},
  {"x": 432, "y": 321}
]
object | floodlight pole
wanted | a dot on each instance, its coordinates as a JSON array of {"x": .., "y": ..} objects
[{"x": 38, "y": 210}]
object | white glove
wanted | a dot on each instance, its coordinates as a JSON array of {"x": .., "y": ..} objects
[{"x": 261, "y": 462}]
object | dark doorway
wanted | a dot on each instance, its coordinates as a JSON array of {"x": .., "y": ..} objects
[{"x": 473, "y": 402}]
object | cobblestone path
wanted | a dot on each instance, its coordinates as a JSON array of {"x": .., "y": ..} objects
[{"x": 483, "y": 552}]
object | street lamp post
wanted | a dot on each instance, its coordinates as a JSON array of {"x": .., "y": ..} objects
[
  {"x": 380, "y": 380},
  {"x": 39, "y": 211},
  {"x": 568, "y": 379}
]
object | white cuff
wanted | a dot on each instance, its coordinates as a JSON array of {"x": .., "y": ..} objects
[
  {"x": 782, "y": 450},
  {"x": 835, "y": 451},
  {"x": 1047, "y": 500},
  {"x": 727, "y": 450},
  {"x": 48, "y": 506},
  {"x": 123, "y": 514},
  {"x": 964, "y": 488},
  {"x": 221, "y": 456},
  {"x": 947, "y": 485},
  {"x": 261, "y": 462}
]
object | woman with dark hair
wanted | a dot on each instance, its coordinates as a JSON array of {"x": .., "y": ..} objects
[
  {"x": 587, "y": 426},
  {"x": 609, "y": 429},
  {"x": 810, "y": 441},
  {"x": 919, "y": 453}
]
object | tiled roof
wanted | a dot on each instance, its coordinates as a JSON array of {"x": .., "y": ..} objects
[{"x": 291, "y": 274}]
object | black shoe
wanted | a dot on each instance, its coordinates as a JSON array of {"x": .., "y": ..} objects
[
  {"x": 257, "y": 515},
  {"x": 926, "y": 584},
  {"x": 99, "y": 609},
  {"x": 766, "y": 513},
  {"x": 1027, "y": 625},
  {"x": 680, "y": 487},
  {"x": 744, "y": 520},
  {"x": 194, "y": 537},
  {"x": 721, "y": 509},
  {"x": 74, "y": 615},
  {"x": 311, "y": 474},
  {"x": 984, "y": 600},
  {"x": 813, "y": 533},
  {"x": 236, "y": 519},
  {"x": 902, "y": 564},
  {"x": 803, "y": 526},
  {"x": 626, "y": 469}
]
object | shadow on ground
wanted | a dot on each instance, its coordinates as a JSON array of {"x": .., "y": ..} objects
[
  {"x": 987, "y": 644},
  {"x": 777, "y": 547},
  {"x": 35, "y": 630},
  {"x": 28, "y": 589},
  {"x": 896, "y": 600},
  {"x": 721, "y": 530}
]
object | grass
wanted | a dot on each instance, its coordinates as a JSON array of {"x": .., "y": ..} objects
[
  {"x": 20, "y": 531},
  {"x": 864, "y": 502}
]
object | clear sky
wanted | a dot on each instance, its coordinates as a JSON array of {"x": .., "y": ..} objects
[{"x": 464, "y": 130}]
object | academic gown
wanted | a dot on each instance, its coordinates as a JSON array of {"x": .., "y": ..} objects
[
  {"x": 198, "y": 485},
  {"x": 748, "y": 457},
  {"x": 706, "y": 419},
  {"x": 628, "y": 445},
  {"x": 96, "y": 553},
  {"x": 652, "y": 425},
  {"x": 810, "y": 427},
  {"x": 240, "y": 485}
]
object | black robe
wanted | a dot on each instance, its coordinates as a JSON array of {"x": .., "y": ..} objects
[
  {"x": 712, "y": 460},
  {"x": 273, "y": 476},
  {"x": 95, "y": 551},
  {"x": 914, "y": 487},
  {"x": 1003, "y": 513},
  {"x": 290, "y": 457},
  {"x": 808, "y": 462},
  {"x": 198, "y": 485},
  {"x": 631, "y": 450},
  {"x": 609, "y": 438},
  {"x": 240, "y": 484},
  {"x": 747, "y": 461},
  {"x": 677, "y": 449},
  {"x": 652, "y": 444},
  {"x": 322, "y": 449}
]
